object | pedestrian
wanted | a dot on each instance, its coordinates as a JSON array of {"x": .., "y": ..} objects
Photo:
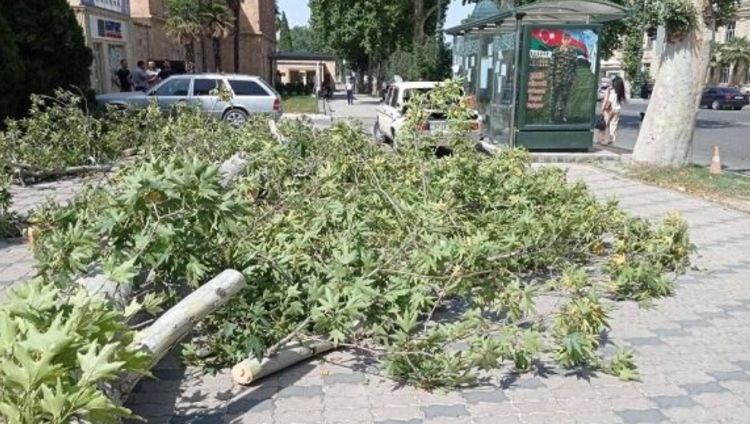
[
  {"x": 349, "y": 92},
  {"x": 139, "y": 77},
  {"x": 166, "y": 70},
  {"x": 122, "y": 77},
  {"x": 152, "y": 72},
  {"x": 614, "y": 98},
  {"x": 383, "y": 89}
]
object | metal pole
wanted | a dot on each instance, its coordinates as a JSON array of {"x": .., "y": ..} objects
[{"x": 516, "y": 71}]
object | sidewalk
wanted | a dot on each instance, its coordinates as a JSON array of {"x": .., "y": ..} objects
[
  {"x": 16, "y": 262},
  {"x": 693, "y": 354}
]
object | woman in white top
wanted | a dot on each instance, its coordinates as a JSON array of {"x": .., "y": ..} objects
[{"x": 611, "y": 106}]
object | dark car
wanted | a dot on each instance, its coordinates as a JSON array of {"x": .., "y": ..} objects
[{"x": 724, "y": 98}]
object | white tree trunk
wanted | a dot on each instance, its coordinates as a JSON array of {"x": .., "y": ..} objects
[{"x": 666, "y": 136}]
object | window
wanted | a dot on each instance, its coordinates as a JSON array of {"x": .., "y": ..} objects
[
  {"x": 247, "y": 88},
  {"x": 724, "y": 78},
  {"x": 205, "y": 87},
  {"x": 729, "y": 34},
  {"x": 394, "y": 97},
  {"x": 174, "y": 87}
]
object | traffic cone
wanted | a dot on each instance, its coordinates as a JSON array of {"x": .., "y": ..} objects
[{"x": 715, "y": 167}]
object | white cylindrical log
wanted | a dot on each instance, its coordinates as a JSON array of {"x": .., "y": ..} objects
[{"x": 252, "y": 369}]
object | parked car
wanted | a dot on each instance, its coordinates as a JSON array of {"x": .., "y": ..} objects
[
  {"x": 391, "y": 113},
  {"x": 250, "y": 95},
  {"x": 724, "y": 98}
]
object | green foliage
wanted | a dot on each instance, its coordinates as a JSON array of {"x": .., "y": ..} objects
[
  {"x": 642, "y": 256},
  {"x": 434, "y": 265},
  {"x": 49, "y": 42},
  {"x": 623, "y": 365},
  {"x": 304, "y": 39},
  {"x": 8, "y": 219},
  {"x": 286, "y": 44},
  {"x": 57, "y": 350},
  {"x": 430, "y": 61}
]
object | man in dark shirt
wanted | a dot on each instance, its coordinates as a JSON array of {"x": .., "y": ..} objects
[
  {"x": 123, "y": 76},
  {"x": 166, "y": 71}
]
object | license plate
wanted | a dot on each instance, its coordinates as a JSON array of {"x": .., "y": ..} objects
[
  {"x": 739, "y": 97},
  {"x": 437, "y": 126}
]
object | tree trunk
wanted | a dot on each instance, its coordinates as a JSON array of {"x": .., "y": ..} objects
[
  {"x": 237, "y": 39},
  {"x": 666, "y": 136},
  {"x": 418, "y": 29},
  {"x": 732, "y": 67},
  {"x": 190, "y": 57},
  {"x": 217, "y": 53},
  {"x": 204, "y": 61}
]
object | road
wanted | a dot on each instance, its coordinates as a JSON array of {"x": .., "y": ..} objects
[{"x": 728, "y": 129}]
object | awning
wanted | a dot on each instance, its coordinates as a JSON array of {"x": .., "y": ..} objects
[{"x": 551, "y": 12}]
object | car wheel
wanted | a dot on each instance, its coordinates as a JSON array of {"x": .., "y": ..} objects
[
  {"x": 715, "y": 105},
  {"x": 738, "y": 108},
  {"x": 235, "y": 117},
  {"x": 378, "y": 135}
]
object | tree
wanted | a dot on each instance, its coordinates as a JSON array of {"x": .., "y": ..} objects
[
  {"x": 183, "y": 25},
  {"x": 684, "y": 28},
  {"x": 51, "y": 48},
  {"x": 735, "y": 54},
  {"x": 285, "y": 36},
  {"x": 304, "y": 39},
  {"x": 218, "y": 24},
  {"x": 236, "y": 7},
  {"x": 11, "y": 70}
]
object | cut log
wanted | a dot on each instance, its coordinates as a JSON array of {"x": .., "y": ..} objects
[
  {"x": 252, "y": 369},
  {"x": 159, "y": 338},
  {"x": 232, "y": 168}
]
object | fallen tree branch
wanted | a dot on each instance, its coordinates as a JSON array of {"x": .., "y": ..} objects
[
  {"x": 161, "y": 336},
  {"x": 252, "y": 369},
  {"x": 22, "y": 170}
]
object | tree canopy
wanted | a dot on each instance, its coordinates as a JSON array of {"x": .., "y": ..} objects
[
  {"x": 47, "y": 50},
  {"x": 285, "y": 37}
]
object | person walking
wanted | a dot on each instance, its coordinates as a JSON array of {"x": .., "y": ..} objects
[
  {"x": 139, "y": 77},
  {"x": 122, "y": 77},
  {"x": 349, "y": 91},
  {"x": 614, "y": 98}
]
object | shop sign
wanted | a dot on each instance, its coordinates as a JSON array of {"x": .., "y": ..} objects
[
  {"x": 121, "y": 6},
  {"x": 108, "y": 29}
]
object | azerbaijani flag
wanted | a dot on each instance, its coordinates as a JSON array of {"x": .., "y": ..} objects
[{"x": 548, "y": 39}]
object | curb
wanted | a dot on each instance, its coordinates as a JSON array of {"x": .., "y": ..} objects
[
  {"x": 568, "y": 157},
  {"x": 317, "y": 117}
]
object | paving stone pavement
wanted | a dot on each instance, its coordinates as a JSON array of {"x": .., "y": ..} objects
[
  {"x": 16, "y": 263},
  {"x": 694, "y": 349},
  {"x": 693, "y": 352}
]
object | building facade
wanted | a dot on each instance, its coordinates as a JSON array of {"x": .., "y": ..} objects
[
  {"x": 108, "y": 30},
  {"x": 304, "y": 68},
  {"x": 257, "y": 38}
]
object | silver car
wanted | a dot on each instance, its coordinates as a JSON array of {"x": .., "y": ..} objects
[{"x": 242, "y": 95}]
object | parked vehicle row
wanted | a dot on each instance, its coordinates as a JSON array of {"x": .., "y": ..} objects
[{"x": 246, "y": 95}]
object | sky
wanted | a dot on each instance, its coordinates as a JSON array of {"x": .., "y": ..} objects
[{"x": 298, "y": 13}]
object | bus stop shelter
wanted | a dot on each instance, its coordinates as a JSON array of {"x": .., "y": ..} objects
[{"x": 533, "y": 71}]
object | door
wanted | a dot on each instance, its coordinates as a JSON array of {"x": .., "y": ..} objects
[
  {"x": 205, "y": 94},
  {"x": 707, "y": 97},
  {"x": 387, "y": 112},
  {"x": 170, "y": 92},
  {"x": 115, "y": 53},
  {"x": 98, "y": 68}
]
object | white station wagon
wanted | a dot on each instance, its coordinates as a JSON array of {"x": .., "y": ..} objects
[{"x": 250, "y": 95}]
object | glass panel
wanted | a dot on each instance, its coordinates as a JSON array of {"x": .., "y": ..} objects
[
  {"x": 174, "y": 87},
  {"x": 496, "y": 124},
  {"x": 247, "y": 88},
  {"x": 561, "y": 76},
  {"x": 205, "y": 87}
]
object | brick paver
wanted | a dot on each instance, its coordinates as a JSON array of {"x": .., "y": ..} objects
[
  {"x": 693, "y": 353},
  {"x": 16, "y": 262},
  {"x": 694, "y": 349}
]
